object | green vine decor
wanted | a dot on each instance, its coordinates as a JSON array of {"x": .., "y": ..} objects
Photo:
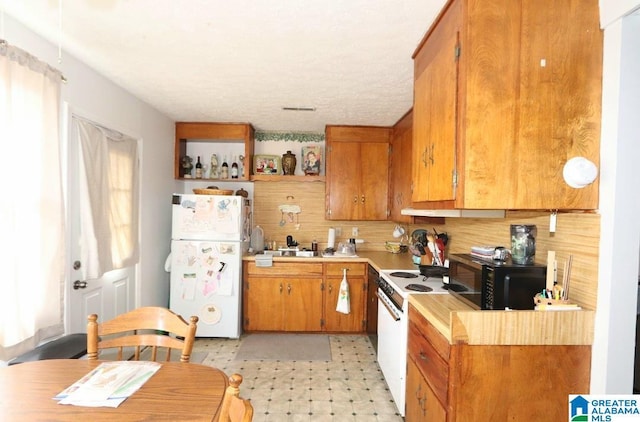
[{"x": 289, "y": 136}]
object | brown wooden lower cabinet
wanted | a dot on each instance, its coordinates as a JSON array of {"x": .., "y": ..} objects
[
  {"x": 461, "y": 382},
  {"x": 276, "y": 299},
  {"x": 284, "y": 304},
  {"x": 302, "y": 297},
  {"x": 421, "y": 401},
  {"x": 354, "y": 321}
]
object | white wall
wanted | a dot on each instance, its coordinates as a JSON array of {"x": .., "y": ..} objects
[
  {"x": 613, "y": 349},
  {"x": 97, "y": 98}
]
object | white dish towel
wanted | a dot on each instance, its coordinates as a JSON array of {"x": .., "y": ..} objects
[{"x": 344, "y": 304}]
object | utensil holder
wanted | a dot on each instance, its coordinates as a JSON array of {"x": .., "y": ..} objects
[{"x": 539, "y": 300}]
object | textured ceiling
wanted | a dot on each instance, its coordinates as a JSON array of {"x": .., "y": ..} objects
[{"x": 242, "y": 61}]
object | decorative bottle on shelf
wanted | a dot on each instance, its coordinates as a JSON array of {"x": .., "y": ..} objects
[
  {"x": 224, "y": 173},
  {"x": 198, "y": 169},
  {"x": 234, "y": 168},
  {"x": 288, "y": 163}
]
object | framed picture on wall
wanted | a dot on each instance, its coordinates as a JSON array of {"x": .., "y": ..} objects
[
  {"x": 267, "y": 164},
  {"x": 311, "y": 159}
]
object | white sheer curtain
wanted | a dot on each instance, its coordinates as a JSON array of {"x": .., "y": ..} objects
[
  {"x": 31, "y": 204},
  {"x": 109, "y": 168}
]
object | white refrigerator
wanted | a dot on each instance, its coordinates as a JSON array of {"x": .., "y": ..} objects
[{"x": 209, "y": 235}]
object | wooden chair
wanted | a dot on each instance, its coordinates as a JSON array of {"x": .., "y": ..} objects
[
  {"x": 151, "y": 326},
  {"x": 235, "y": 408}
]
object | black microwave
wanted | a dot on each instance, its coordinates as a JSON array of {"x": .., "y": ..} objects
[{"x": 489, "y": 284}]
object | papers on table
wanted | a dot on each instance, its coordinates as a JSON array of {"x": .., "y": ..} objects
[{"x": 109, "y": 384}]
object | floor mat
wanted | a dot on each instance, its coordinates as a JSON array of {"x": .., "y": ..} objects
[{"x": 311, "y": 347}]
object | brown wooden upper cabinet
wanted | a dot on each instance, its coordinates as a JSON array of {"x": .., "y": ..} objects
[
  {"x": 400, "y": 169},
  {"x": 190, "y": 134},
  {"x": 505, "y": 93},
  {"x": 357, "y": 181}
]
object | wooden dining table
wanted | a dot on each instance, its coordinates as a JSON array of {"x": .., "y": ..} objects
[{"x": 177, "y": 392}]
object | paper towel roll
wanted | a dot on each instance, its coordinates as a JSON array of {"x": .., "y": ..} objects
[{"x": 331, "y": 240}]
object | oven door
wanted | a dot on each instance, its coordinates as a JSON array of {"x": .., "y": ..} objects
[{"x": 392, "y": 348}]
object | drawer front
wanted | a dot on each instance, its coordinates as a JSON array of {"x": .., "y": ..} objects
[
  {"x": 440, "y": 343},
  {"x": 301, "y": 269},
  {"x": 353, "y": 268},
  {"x": 434, "y": 369}
]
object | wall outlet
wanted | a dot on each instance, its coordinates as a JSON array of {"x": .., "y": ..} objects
[
  {"x": 354, "y": 232},
  {"x": 338, "y": 231}
]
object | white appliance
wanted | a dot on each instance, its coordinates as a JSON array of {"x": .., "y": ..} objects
[
  {"x": 394, "y": 288},
  {"x": 209, "y": 235}
]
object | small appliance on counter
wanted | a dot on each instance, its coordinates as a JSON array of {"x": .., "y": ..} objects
[{"x": 492, "y": 284}]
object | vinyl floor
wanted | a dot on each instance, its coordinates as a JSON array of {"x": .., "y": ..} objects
[{"x": 348, "y": 388}]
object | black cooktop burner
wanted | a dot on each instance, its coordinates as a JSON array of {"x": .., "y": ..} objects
[
  {"x": 418, "y": 287},
  {"x": 454, "y": 287},
  {"x": 403, "y": 274}
]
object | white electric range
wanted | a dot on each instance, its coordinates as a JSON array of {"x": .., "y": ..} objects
[{"x": 394, "y": 288}]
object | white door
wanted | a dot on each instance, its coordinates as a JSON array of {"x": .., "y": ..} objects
[{"x": 114, "y": 292}]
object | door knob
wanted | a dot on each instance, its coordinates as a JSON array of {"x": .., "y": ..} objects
[{"x": 79, "y": 285}]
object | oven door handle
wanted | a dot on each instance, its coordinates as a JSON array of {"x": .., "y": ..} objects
[{"x": 384, "y": 302}]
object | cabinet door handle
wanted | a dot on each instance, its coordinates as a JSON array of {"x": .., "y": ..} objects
[
  {"x": 418, "y": 390},
  {"x": 423, "y": 405},
  {"x": 330, "y": 288},
  {"x": 355, "y": 199},
  {"x": 363, "y": 199},
  {"x": 424, "y": 157},
  {"x": 423, "y": 356},
  {"x": 433, "y": 147},
  {"x": 280, "y": 288},
  {"x": 289, "y": 288}
]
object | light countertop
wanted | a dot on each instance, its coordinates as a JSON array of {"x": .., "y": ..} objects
[
  {"x": 459, "y": 323},
  {"x": 380, "y": 260}
]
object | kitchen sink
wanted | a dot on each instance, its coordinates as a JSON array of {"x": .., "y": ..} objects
[{"x": 292, "y": 253}]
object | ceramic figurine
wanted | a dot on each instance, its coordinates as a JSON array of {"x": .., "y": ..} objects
[
  {"x": 214, "y": 167},
  {"x": 187, "y": 166}
]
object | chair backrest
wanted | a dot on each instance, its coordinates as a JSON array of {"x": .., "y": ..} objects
[
  {"x": 235, "y": 408},
  {"x": 147, "y": 327}
]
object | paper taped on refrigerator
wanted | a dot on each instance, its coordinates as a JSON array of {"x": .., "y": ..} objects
[
  {"x": 207, "y": 217},
  {"x": 203, "y": 268}
]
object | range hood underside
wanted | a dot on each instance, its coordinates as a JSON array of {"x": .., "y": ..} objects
[{"x": 454, "y": 213}]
